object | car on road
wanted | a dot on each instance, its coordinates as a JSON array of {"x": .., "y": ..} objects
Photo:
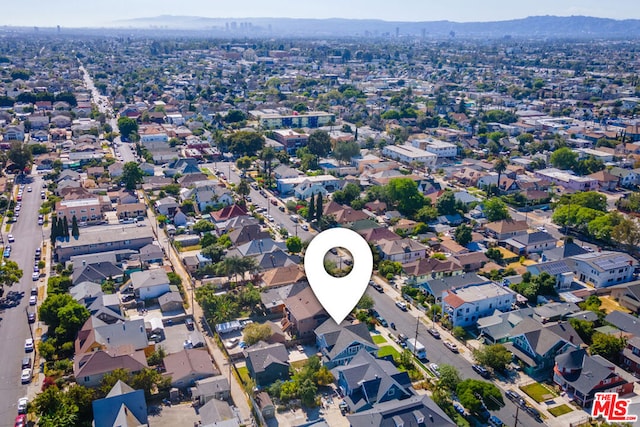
[
  {"x": 393, "y": 326},
  {"x": 7, "y": 253},
  {"x": 26, "y": 362},
  {"x": 481, "y": 370},
  {"x": 35, "y": 276},
  {"x": 451, "y": 346},
  {"x": 33, "y": 300},
  {"x": 377, "y": 287},
  {"x": 587, "y": 248},
  {"x": 305, "y": 227},
  {"x": 25, "y": 377},
  {"x": 31, "y": 317},
  {"x": 541, "y": 228},
  {"x": 10, "y": 238},
  {"x": 189, "y": 324},
  {"x": 435, "y": 369},
  {"x": 515, "y": 398},
  {"x": 402, "y": 337},
  {"x": 29, "y": 190},
  {"x": 382, "y": 321},
  {"x": 22, "y": 405},
  {"x": 533, "y": 412},
  {"x": 434, "y": 333},
  {"x": 28, "y": 345},
  {"x": 401, "y": 305},
  {"x": 21, "y": 421},
  {"x": 281, "y": 208},
  {"x": 495, "y": 421},
  {"x": 274, "y": 202},
  {"x": 38, "y": 253}
]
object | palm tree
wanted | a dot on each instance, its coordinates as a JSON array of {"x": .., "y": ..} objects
[
  {"x": 500, "y": 166},
  {"x": 268, "y": 154}
]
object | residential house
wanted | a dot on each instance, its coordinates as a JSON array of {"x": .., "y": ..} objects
[
  {"x": 567, "y": 180},
  {"x": 86, "y": 292},
  {"x": 366, "y": 382},
  {"x": 267, "y": 363},
  {"x": 534, "y": 242},
  {"x": 85, "y": 210},
  {"x": 437, "y": 287},
  {"x": 606, "y": 180},
  {"x": 627, "y": 295},
  {"x": 560, "y": 270},
  {"x": 375, "y": 235},
  {"x": 96, "y": 272},
  {"x": 603, "y": 269},
  {"x": 188, "y": 366},
  {"x": 466, "y": 305},
  {"x": 282, "y": 276},
  {"x": 116, "y": 170},
  {"x": 631, "y": 355},
  {"x": 415, "y": 411},
  {"x": 496, "y": 328},
  {"x": 166, "y": 206},
  {"x": 425, "y": 269},
  {"x": 150, "y": 284},
  {"x": 171, "y": 302},
  {"x": 581, "y": 376},
  {"x": 116, "y": 338},
  {"x": 122, "y": 406},
  {"x": 624, "y": 321},
  {"x": 227, "y": 213},
  {"x": 305, "y": 186},
  {"x": 505, "y": 229},
  {"x": 403, "y": 251},
  {"x": 14, "y": 133},
  {"x": 182, "y": 166},
  {"x": 98, "y": 240},
  {"x": 626, "y": 177},
  {"x": 536, "y": 345},
  {"x": 303, "y": 314},
  {"x": 409, "y": 154},
  {"x": 257, "y": 247},
  {"x": 131, "y": 210},
  {"x": 561, "y": 252},
  {"x": 242, "y": 235},
  {"x": 90, "y": 368},
  {"x": 212, "y": 388},
  {"x": 471, "y": 261},
  {"x": 340, "y": 344},
  {"x": 275, "y": 259},
  {"x": 266, "y": 406}
]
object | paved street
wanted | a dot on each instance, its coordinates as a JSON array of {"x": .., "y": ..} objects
[
  {"x": 279, "y": 217},
  {"x": 436, "y": 351},
  {"x": 14, "y": 328}
]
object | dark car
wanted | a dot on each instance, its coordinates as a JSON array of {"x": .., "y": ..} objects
[
  {"x": 402, "y": 337},
  {"x": 31, "y": 316},
  {"x": 377, "y": 287},
  {"x": 481, "y": 370},
  {"x": 434, "y": 333},
  {"x": 516, "y": 398},
  {"x": 189, "y": 324},
  {"x": 533, "y": 412},
  {"x": 26, "y": 362},
  {"x": 382, "y": 321}
]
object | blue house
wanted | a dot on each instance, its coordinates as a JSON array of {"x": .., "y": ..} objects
[
  {"x": 339, "y": 345},
  {"x": 122, "y": 406}
]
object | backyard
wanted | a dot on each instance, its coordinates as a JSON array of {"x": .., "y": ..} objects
[{"x": 539, "y": 392}]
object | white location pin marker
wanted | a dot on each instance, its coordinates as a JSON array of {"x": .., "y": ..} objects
[{"x": 338, "y": 295}]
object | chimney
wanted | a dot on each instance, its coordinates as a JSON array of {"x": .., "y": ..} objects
[{"x": 571, "y": 338}]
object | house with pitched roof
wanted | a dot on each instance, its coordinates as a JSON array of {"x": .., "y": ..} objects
[
  {"x": 188, "y": 366},
  {"x": 527, "y": 243},
  {"x": 267, "y": 362},
  {"x": 90, "y": 368},
  {"x": 227, "y": 213},
  {"x": 466, "y": 305},
  {"x": 303, "y": 313},
  {"x": 415, "y": 411},
  {"x": 581, "y": 376},
  {"x": 536, "y": 345},
  {"x": 150, "y": 284},
  {"x": 340, "y": 344},
  {"x": 437, "y": 287},
  {"x": 120, "y": 337},
  {"x": 122, "y": 406},
  {"x": 367, "y": 382},
  {"x": 403, "y": 251},
  {"x": 282, "y": 276},
  {"x": 425, "y": 269},
  {"x": 627, "y": 295},
  {"x": 603, "y": 269},
  {"x": 630, "y": 358}
]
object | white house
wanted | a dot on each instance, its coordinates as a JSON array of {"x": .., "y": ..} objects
[
  {"x": 150, "y": 283},
  {"x": 440, "y": 148},
  {"x": 408, "y": 154},
  {"x": 288, "y": 185},
  {"x": 401, "y": 250},
  {"x": 603, "y": 269},
  {"x": 466, "y": 305}
]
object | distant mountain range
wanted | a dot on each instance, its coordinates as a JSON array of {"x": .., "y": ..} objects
[{"x": 534, "y": 26}]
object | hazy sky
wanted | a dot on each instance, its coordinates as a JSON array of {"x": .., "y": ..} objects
[{"x": 80, "y": 13}]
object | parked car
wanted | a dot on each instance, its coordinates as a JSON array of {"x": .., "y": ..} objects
[
  {"x": 31, "y": 317},
  {"x": 495, "y": 421},
  {"x": 34, "y": 276},
  {"x": 401, "y": 305},
  {"x": 481, "y": 370},
  {"x": 434, "y": 333},
  {"x": 25, "y": 377},
  {"x": 33, "y": 300},
  {"x": 21, "y": 421},
  {"x": 189, "y": 324},
  {"x": 382, "y": 321},
  {"x": 305, "y": 227},
  {"x": 10, "y": 238},
  {"x": 435, "y": 369},
  {"x": 28, "y": 345},
  {"x": 377, "y": 287},
  {"x": 533, "y": 412},
  {"x": 22, "y": 405},
  {"x": 26, "y": 362},
  {"x": 451, "y": 346}
]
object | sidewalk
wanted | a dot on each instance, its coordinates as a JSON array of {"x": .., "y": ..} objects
[{"x": 237, "y": 392}]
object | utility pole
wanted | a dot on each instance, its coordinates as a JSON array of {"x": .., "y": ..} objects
[{"x": 515, "y": 417}]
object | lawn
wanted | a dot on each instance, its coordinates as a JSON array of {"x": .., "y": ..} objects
[
  {"x": 244, "y": 374},
  {"x": 379, "y": 339},
  {"x": 609, "y": 305},
  {"x": 560, "y": 410},
  {"x": 388, "y": 350},
  {"x": 539, "y": 392}
]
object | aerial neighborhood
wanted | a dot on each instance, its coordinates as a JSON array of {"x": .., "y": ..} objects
[{"x": 159, "y": 193}]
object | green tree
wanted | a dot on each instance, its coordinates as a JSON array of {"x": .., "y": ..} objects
[
  {"x": 20, "y": 155},
  {"x": 446, "y": 204},
  {"x": 267, "y": 155},
  {"x": 627, "y": 232},
  {"x": 65, "y": 228},
  {"x": 255, "y": 332},
  {"x": 345, "y": 151},
  {"x": 494, "y": 254},
  {"x": 245, "y": 143},
  {"x": 365, "y": 303},
  {"x": 243, "y": 163},
  {"x": 319, "y": 208},
  {"x": 463, "y": 234},
  {"x": 213, "y": 252},
  {"x": 404, "y": 192},
  {"x": 458, "y": 332},
  {"x": 584, "y": 328},
  {"x": 10, "y": 273},
  {"x": 131, "y": 175},
  {"x": 500, "y": 166},
  {"x": 243, "y": 189},
  {"x": 127, "y": 126},
  {"x": 203, "y": 226},
  {"x": 495, "y": 356},
  {"x": 349, "y": 193},
  {"x": 111, "y": 378},
  {"x": 311, "y": 212},
  {"x": 294, "y": 244},
  {"x": 607, "y": 346},
  {"x": 75, "y": 231},
  {"x": 319, "y": 143},
  {"x": 495, "y": 209},
  {"x": 564, "y": 158},
  {"x": 472, "y": 393},
  {"x": 148, "y": 379},
  {"x": 449, "y": 377}
]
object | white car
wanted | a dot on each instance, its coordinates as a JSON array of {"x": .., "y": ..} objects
[
  {"x": 305, "y": 227},
  {"x": 28, "y": 345},
  {"x": 33, "y": 299},
  {"x": 11, "y": 238},
  {"x": 541, "y": 228},
  {"x": 35, "y": 276},
  {"x": 25, "y": 377},
  {"x": 22, "y": 405},
  {"x": 29, "y": 189},
  {"x": 433, "y": 367}
]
